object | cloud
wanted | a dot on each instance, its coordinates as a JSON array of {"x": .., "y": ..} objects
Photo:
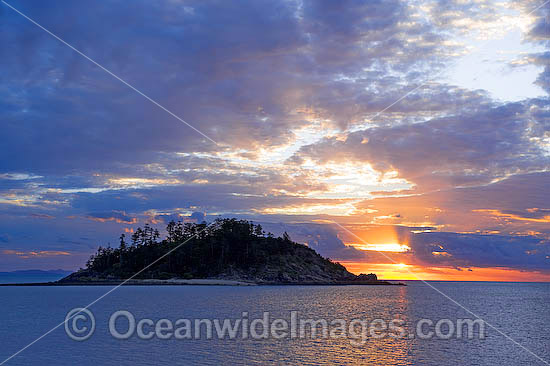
[
  {"x": 165, "y": 218},
  {"x": 42, "y": 216},
  {"x": 465, "y": 209},
  {"x": 321, "y": 237},
  {"x": 543, "y": 80},
  {"x": 539, "y": 28},
  {"x": 38, "y": 253},
  {"x": 472, "y": 250},
  {"x": 539, "y": 34},
  {"x": 538, "y": 59},
  {"x": 292, "y": 91},
  {"x": 117, "y": 216},
  {"x": 472, "y": 148},
  {"x": 533, "y": 215},
  {"x": 236, "y": 71}
]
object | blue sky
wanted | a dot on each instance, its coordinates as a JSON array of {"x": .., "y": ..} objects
[{"x": 298, "y": 101}]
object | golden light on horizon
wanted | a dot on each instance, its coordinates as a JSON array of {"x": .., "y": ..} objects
[
  {"x": 402, "y": 271},
  {"x": 389, "y": 271}
]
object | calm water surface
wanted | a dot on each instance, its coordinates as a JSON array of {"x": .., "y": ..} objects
[{"x": 520, "y": 310}]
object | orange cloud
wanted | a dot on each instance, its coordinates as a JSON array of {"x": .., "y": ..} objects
[
  {"x": 115, "y": 219},
  {"x": 442, "y": 254},
  {"x": 119, "y": 217},
  {"x": 34, "y": 254},
  {"x": 498, "y": 213}
]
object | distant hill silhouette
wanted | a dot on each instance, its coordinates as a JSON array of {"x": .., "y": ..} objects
[{"x": 37, "y": 272}]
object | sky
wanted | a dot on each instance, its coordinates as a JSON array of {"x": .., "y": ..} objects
[{"x": 406, "y": 138}]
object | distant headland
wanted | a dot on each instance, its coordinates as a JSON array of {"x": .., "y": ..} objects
[{"x": 227, "y": 252}]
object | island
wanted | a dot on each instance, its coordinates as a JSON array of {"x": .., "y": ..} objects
[{"x": 225, "y": 252}]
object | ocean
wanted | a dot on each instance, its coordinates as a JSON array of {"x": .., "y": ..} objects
[{"x": 518, "y": 310}]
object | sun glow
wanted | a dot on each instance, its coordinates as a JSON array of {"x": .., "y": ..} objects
[
  {"x": 379, "y": 239},
  {"x": 402, "y": 271}
]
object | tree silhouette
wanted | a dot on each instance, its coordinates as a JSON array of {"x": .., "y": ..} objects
[{"x": 201, "y": 250}]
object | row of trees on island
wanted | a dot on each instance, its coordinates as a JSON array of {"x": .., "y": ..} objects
[{"x": 195, "y": 250}]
